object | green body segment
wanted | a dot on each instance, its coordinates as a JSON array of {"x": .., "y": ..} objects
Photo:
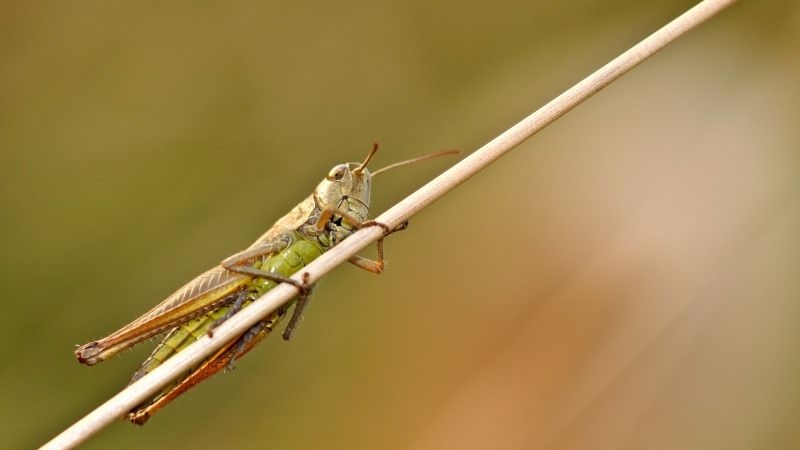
[
  {"x": 337, "y": 207},
  {"x": 300, "y": 252}
]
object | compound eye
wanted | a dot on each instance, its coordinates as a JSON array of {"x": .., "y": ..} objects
[{"x": 337, "y": 173}]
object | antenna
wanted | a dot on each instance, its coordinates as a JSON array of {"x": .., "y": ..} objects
[{"x": 414, "y": 160}]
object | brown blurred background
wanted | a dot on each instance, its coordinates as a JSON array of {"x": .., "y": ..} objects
[{"x": 627, "y": 279}]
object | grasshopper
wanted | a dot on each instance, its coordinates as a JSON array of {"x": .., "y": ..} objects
[{"x": 338, "y": 206}]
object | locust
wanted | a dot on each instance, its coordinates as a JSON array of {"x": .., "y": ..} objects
[{"x": 335, "y": 209}]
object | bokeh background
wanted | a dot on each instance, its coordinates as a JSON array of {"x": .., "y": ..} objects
[{"x": 627, "y": 279}]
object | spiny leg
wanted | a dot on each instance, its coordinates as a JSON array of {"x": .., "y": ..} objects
[
  {"x": 246, "y": 340},
  {"x": 299, "y": 305},
  {"x": 235, "y": 307},
  {"x": 222, "y": 359}
]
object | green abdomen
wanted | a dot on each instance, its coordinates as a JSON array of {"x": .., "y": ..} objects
[{"x": 293, "y": 258}]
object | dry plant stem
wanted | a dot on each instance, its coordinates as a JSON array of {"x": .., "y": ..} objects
[{"x": 123, "y": 402}]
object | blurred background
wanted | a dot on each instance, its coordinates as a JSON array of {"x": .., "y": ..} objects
[{"x": 627, "y": 279}]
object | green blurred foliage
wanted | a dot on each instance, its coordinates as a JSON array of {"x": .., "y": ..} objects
[{"x": 627, "y": 279}]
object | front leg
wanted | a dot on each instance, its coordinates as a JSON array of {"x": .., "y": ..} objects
[{"x": 374, "y": 266}]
